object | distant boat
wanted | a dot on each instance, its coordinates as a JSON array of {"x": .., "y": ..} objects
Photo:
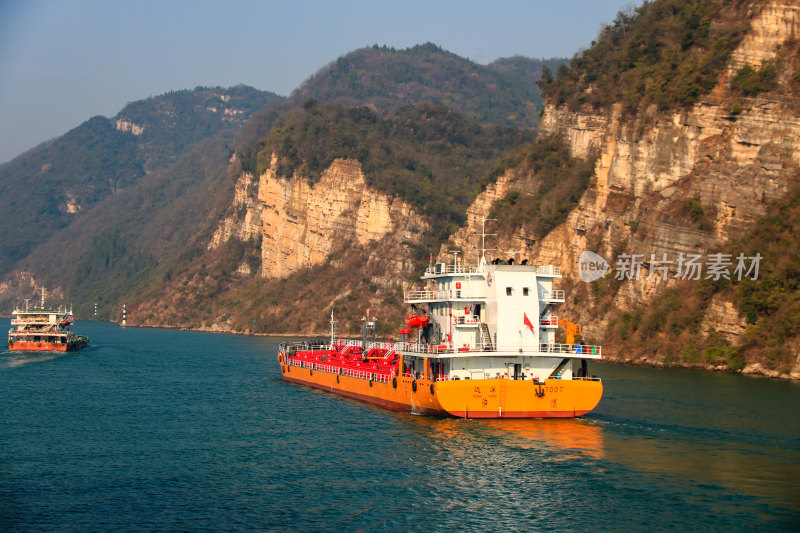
[{"x": 43, "y": 329}]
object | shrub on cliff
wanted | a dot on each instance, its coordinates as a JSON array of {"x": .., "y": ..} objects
[
  {"x": 549, "y": 184},
  {"x": 752, "y": 81},
  {"x": 771, "y": 302}
]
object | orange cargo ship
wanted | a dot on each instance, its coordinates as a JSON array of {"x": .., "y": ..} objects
[
  {"x": 43, "y": 329},
  {"x": 482, "y": 345}
]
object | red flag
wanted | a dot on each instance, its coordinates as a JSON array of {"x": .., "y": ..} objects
[{"x": 527, "y": 322}]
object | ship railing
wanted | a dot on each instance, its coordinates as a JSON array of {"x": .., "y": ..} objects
[
  {"x": 369, "y": 374},
  {"x": 43, "y": 320},
  {"x": 440, "y": 348},
  {"x": 424, "y": 348},
  {"x": 389, "y": 346},
  {"x": 549, "y": 320},
  {"x": 467, "y": 320},
  {"x": 349, "y": 342},
  {"x": 382, "y": 345},
  {"x": 548, "y": 270},
  {"x": 386, "y": 377},
  {"x": 580, "y": 349},
  {"x": 40, "y": 333},
  {"x": 381, "y": 377},
  {"x": 477, "y": 374},
  {"x": 448, "y": 348},
  {"x": 305, "y": 346},
  {"x": 441, "y": 296},
  {"x": 444, "y": 268},
  {"x": 556, "y": 295},
  {"x": 432, "y": 349}
]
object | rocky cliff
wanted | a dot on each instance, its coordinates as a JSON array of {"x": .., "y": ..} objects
[
  {"x": 683, "y": 182},
  {"x": 300, "y": 225},
  {"x": 288, "y": 253}
]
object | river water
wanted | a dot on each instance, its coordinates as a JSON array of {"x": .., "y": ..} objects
[{"x": 169, "y": 430}]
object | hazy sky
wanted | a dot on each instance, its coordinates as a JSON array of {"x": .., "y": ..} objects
[{"x": 64, "y": 61}]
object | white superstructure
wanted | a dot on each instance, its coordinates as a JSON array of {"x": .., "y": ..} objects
[{"x": 492, "y": 320}]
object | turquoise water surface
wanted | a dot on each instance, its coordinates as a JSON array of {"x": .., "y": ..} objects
[{"x": 169, "y": 430}]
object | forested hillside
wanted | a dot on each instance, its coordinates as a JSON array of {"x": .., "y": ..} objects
[
  {"x": 550, "y": 182},
  {"x": 667, "y": 53},
  {"x": 768, "y": 300},
  {"x": 84, "y": 183},
  {"x": 44, "y": 189},
  {"x": 413, "y": 142},
  {"x": 383, "y": 78},
  {"x": 427, "y": 154},
  {"x": 119, "y": 246},
  {"x": 176, "y": 121}
]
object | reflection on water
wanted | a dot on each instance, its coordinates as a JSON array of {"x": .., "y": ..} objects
[{"x": 574, "y": 438}]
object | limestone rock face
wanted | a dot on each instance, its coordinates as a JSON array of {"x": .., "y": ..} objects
[
  {"x": 300, "y": 224},
  {"x": 467, "y": 238},
  {"x": 777, "y": 22},
  {"x": 243, "y": 227},
  {"x": 127, "y": 125}
]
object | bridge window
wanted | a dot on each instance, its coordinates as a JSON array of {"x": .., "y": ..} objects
[
  {"x": 508, "y": 291},
  {"x": 524, "y": 291}
]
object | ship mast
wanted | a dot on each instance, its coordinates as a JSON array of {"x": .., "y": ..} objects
[
  {"x": 333, "y": 328},
  {"x": 484, "y": 220}
]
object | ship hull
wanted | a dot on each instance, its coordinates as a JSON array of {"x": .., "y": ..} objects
[
  {"x": 480, "y": 398},
  {"x": 31, "y": 346}
]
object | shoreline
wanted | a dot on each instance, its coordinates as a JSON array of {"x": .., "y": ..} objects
[{"x": 753, "y": 369}]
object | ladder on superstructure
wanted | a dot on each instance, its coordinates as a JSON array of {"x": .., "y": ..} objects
[{"x": 486, "y": 338}]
